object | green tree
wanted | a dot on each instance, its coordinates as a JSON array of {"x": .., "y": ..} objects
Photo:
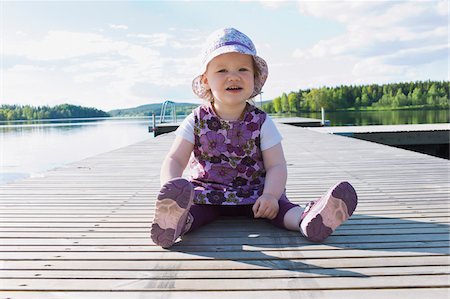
[
  {"x": 443, "y": 102},
  {"x": 365, "y": 99},
  {"x": 428, "y": 93},
  {"x": 432, "y": 95},
  {"x": 357, "y": 102},
  {"x": 268, "y": 107},
  {"x": 277, "y": 105},
  {"x": 400, "y": 99},
  {"x": 312, "y": 100},
  {"x": 284, "y": 103},
  {"x": 294, "y": 103},
  {"x": 15, "y": 112},
  {"x": 417, "y": 97}
]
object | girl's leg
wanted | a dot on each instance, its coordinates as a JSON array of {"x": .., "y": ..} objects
[
  {"x": 200, "y": 215},
  {"x": 288, "y": 216},
  {"x": 175, "y": 213},
  {"x": 292, "y": 218}
]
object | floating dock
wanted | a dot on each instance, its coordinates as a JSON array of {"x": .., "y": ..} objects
[
  {"x": 433, "y": 139},
  {"x": 83, "y": 230},
  {"x": 394, "y": 134}
]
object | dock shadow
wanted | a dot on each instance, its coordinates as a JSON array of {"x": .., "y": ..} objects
[{"x": 255, "y": 240}]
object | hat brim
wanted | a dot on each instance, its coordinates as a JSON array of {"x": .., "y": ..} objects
[{"x": 260, "y": 78}]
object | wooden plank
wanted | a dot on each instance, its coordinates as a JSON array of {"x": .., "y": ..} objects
[
  {"x": 410, "y": 293},
  {"x": 139, "y": 231},
  {"x": 224, "y": 255},
  {"x": 229, "y": 274},
  {"x": 219, "y": 265},
  {"x": 293, "y": 284},
  {"x": 417, "y": 246},
  {"x": 29, "y": 233},
  {"x": 194, "y": 240},
  {"x": 101, "y": 222}
]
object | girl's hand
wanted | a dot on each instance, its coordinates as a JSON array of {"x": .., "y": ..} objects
[{"x": 266, "y": 206}]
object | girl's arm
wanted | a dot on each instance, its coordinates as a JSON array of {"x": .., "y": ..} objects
[
  {"x": 266, "y": 205},
  {"x": 276, "y": 171},
  {"x": 176, "y": 160}
]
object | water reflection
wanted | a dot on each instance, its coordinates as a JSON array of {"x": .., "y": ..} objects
[
  {"x": 30, "y": 148},
  {"x": 396, "y": 117}
]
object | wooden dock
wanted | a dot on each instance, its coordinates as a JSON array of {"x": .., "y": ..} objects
[
  {"x": 433, "y": 139},
  {"x": 82, "y": 230},
  {"x": 395, "y": 134},
  {"x": 164, "y": 128}
]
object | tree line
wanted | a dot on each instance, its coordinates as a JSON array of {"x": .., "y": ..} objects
[
  {"x": 419, "y": 95},
  {"x": 149, "y": 109},
  {"x": 26, "y": 112},
  {"x": 415, "y": 95}
]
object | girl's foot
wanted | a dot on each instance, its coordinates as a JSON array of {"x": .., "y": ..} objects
[
  {"x": 321, "y": 218},
  {"x": 172, "y": 209}
]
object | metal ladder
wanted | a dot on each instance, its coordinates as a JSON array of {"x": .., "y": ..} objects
[{"x": 163, "y": 112}]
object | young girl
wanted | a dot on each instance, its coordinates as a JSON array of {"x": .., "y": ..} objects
[{"x": 236, "y": 158}]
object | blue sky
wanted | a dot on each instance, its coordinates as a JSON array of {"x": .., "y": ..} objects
[{"x": 121, "y": 54}]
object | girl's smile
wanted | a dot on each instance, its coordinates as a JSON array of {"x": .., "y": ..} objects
[{"x": 234, "y": 88}]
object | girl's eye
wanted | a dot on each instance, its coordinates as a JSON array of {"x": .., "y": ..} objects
[
  {"x": 222, "y": 71},
  {"x": 243, "y": 69}
]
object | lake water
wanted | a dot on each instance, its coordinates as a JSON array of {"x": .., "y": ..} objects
[
  {"x": 395, "y": 117},
  {"x": 29, "y": 149}
]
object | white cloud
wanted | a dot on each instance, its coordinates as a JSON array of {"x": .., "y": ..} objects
[
  {"x": 94, "y": 65},
  {"x": 90, "y": 68},
  {"x": 383, "y": 39},
  {"x": 273, "y": 4},
  {"x": 120, "y": 27},
  {"x": 153, "y": 40},
  {"x": 58, "y": 45},
  {"x": 370, "y": 27},
  {"x": 29, "y": 68}
]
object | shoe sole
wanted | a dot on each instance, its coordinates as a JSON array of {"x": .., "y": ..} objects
[
  {"x": 172, "y": 207},
  {"x": 330, "y": 212}
]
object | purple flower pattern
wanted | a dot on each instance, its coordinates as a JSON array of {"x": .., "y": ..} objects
[
  {"x": 223, "y": 171},
  {"x": 227, "y": 166},
  {"x": 239, "y": 135},
  {"x": 214, "y": 124},
  {"x": 216, "y": 197},
  {"x": 213, "y": 142}
]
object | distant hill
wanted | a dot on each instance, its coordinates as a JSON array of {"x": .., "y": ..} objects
[
  {"x": 149, "y": 109},
  {"x": 27, "y": 112}
]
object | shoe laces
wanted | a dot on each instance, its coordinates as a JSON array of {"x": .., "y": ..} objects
[
  {"x": 308, "y": 208},
  {"x": 188, "y": 224}
]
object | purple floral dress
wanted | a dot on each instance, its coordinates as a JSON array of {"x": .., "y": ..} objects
[{"x": 227, "y": 166}]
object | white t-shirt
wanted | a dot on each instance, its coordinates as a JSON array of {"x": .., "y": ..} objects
[{"x": 270, "y": 136}]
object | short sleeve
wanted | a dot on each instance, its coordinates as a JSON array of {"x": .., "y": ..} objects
[
  {"x": 270, "y": 136},
  {"x": 186, "y": 129}
]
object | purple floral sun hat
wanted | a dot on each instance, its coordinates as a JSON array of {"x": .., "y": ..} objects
[{"x": 229, "y": 40}]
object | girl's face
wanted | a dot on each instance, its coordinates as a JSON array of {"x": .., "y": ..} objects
[{"x": 230, "y": 77}]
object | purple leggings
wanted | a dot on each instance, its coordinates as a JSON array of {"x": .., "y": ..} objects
[{"x": 204, "y": 214}]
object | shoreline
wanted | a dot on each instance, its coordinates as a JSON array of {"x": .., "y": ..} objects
[{"x": 284, "y": 114}]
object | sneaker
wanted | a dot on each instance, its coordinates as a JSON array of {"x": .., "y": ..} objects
[
  {"x": 321, "y": 218},
  {"x": 171, "y": 213}
]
